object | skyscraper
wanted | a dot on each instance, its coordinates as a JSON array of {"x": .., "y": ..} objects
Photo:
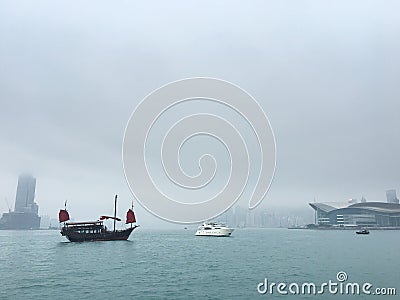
[
  {"x": 25, "y": 215},
  {"x": 391, "y": 196},
  {"x": 24, "y": 200}
]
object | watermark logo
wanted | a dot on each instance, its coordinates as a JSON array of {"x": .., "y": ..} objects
[
  {"x": 340, "y": 286},
  {"x": 135, "y": 149},
  {"x": 341, "y": 276}
]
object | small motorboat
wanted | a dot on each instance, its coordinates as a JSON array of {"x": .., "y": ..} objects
[{"x": 364, "y": 231}]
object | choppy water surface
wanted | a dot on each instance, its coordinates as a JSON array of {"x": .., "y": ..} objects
[{"x": 174, "y": 264}]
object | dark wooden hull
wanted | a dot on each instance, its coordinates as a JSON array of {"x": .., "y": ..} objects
[{"x": 74, "y": 236}]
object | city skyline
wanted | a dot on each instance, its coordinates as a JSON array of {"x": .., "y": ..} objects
[
  {"x": 26, "y": 186},
  {"x": 239, "y": 216}
]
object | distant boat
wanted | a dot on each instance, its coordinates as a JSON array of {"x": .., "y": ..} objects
[
  {"x": 96, "y": 230},
  {"x": 213, "y": 229},
  {"x": 364, "y": 231}
]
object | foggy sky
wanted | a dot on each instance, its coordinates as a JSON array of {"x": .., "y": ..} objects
[{"x": 326, "y": 74}]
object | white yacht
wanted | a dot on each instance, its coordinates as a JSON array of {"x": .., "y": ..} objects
[{"x": 213, "y": 229}]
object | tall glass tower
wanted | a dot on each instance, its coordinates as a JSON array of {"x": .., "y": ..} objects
[{"x": 24, "y": 200}]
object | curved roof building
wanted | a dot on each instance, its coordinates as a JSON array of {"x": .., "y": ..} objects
[{"x": 372, "y": 214}]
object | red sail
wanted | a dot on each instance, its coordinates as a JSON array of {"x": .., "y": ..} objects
[
  {"x": 108, "y": 217},
  {"x": 130, "y": 217},
  {"x": 63, "y": 215}
]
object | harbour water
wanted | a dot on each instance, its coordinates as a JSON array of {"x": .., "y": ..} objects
[{"x": 174, "y": 264}]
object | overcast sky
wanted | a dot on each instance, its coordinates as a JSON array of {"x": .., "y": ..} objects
[{"x": 327, "y": 74}]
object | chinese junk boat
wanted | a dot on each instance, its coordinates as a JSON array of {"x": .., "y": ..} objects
[{"x": 96, "y": 231}]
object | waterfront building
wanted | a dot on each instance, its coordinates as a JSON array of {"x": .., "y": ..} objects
[{"x": 366, "y": 214}]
